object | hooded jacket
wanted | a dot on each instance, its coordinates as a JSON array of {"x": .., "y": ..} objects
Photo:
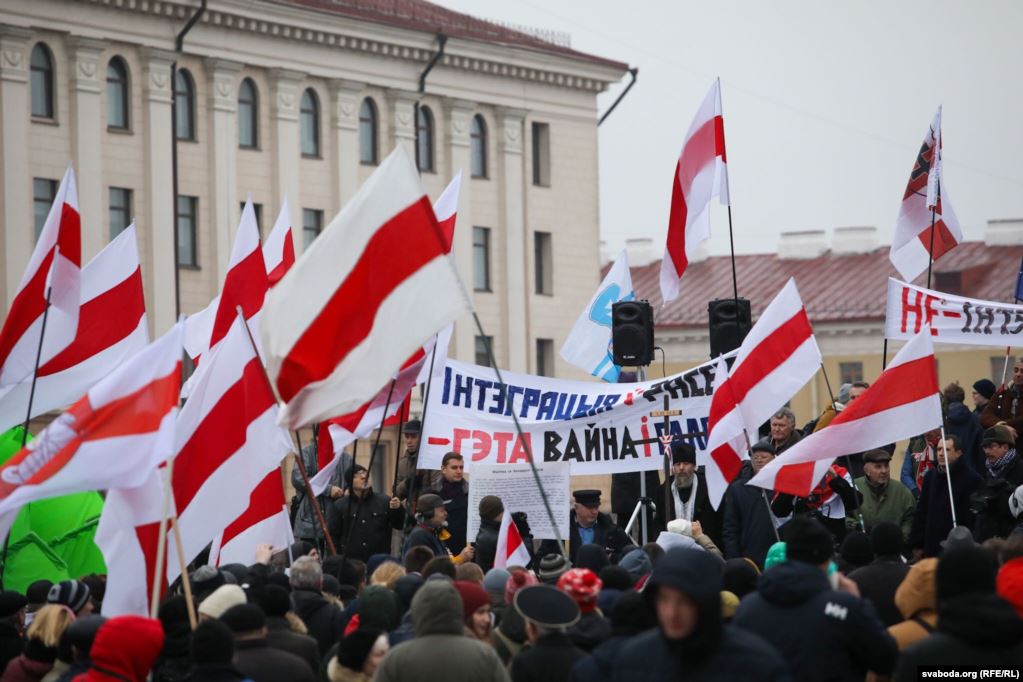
[
  {"x": 823, "y": 634},
  {"x": 915, "y": 600},
  {"x": 440, "y": 651},
  {"x": 124, "y": 650},
  {"x": 713, "y": 651},
  {"x": 973, "y": 629}
]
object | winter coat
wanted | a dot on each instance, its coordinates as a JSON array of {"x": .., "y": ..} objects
[
  {"x": 599, "y": 665},
  {"x": 709, "y": 518},
  {"x": 372, "y": 532},
  {"x": 456, "y": 502},
  {"x": 338, "y": 673},
  {"x": 973, "y": 629},
  {"x": 551, "y": 657},
  {"x": 1000, "y": 409},
  {"x": 322, "y": 618},
  {"x": 307, "y": 526},
  {"x": 262, "y": 663},
  {"x": 878, "y": 582},
  {"x": 510, "y": 635},
  {"x": 990, "y": 501},
  {"x": 821, "y": 633},
  {"x": 416, "y": 485},
  {"x": 427, "y": 536},
  {"x": 747, "y": 527},
  {"x": 219, "y": 672},
  {"x": 893, "y": 502},
  {"x": 24, "y": 669},
  {"x": 606, "y": 534},
  {"x": 961, "y": 422},
  {"x": 440, "y": 651},
  {"x": 124, "y": 650},
  {"x": 915, "y": 600},
  {"x": 932, "y": 519},
  {"x": 486, "y": 544},
  {"x": 280, "y": 636},
  {"x": 11, "y": 643},
  {"x": 591, "y": 630}
]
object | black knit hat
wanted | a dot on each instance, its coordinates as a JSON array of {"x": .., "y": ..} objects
[
  {"x": 244, "y": 618},
  {"x": 807, "y": 540},
  {"x": 965, "y": 570},
  {"x": 682, "y": 452},
  {"x": 38, "y": 591},
  {"x": 275, "y": 601},
  {"x": 73, "y": 594},
  {"x": 354, "y": 648},
  {"x": 10, "y": 603},
  {"x": 212, "y": 643},
  {"x": 985, "y": 387}
]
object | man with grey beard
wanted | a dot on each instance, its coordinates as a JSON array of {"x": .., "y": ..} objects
[{"x": 688, "y": 490}]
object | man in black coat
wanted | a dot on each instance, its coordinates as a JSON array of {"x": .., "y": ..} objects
[
  {"x": 275, "y": 602},
  {"x": 748, "y": 526},
  {"x": 588, "y": 525},
  {"x": 932, "y": 519},
  {"x": 822, "y": 633},
  {"x": 1003, "y": 473},
  {"x": 452, "y": 487},
  {"x": 879, "y": 579},
  {"x": 688, "y": 492},
  {"x": 691, "y": 641},
  {"x": 491, "y": 512},
  {"x": 548, "y": 613},
  {"x": 322, "y": 619},
  {"x": 361, "y": 521},
  {"x": 253, "y": 657}
]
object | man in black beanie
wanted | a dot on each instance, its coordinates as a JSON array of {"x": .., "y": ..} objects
[
  {"x": 253, "y": 656},
  {"x": 276, "y": 603},
  {"x": 212, "y": 653},
  {"x": 819, "y": 630}
]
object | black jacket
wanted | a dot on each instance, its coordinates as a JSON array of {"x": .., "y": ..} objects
[
  {"x": 703, "y": 512},
  {"x": 933, "y": 517},
  {"x": 974, "y": 629},
  {"x": 609, "y": 536},
  {"x": 372, "y": 531},
  {"x": 280, "y": 636},
  {"x": 216, "y": 673},
  {"x": 591, "y": 630},
  {"x": 877, "y": 582},
  {"x": 821, "y": 633},
  {"x": 456, "y": 501},
  {"x": 322, "y": 618},
  {"x": 486, "y": 544},
  {"x": 964, "y": 424},
  {"x": 550, "y": 658},
  {"x": 11, "y": 643},
  {"x": 747, "y": 527},
  {"x": 261, "y": 663},
  {"x": 599, "y": 665},
  {"x": 426, "y": 536},
  {"x": 990, "y": 502}
]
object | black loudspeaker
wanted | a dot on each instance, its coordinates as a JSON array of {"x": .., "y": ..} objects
[
  {"x": 729, "y": 323},
  {"x": 632, "y": 333}
]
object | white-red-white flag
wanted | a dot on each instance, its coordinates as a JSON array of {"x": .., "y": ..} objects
[
  {"x": 700, "y": 175},
  {"x": 279, "y": 246},
  {"x": 56, "y": 263},
  {"x": 112, "y": 437},
  {"x": 363, "y": 297},
  {"x": 511, "y": 550},
  {"x": 774, "y": 361},
  {"x": 226, "y": 442},
  {"x": 446, "y": 209},
  {"x": 916, "y": 242},
  {"x": 111, "y": 328},
  {"x": 265, "y": 522},
  {"x": 902, "y": 403}
]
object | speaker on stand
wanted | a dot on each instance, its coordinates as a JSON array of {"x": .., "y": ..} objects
[{"x": 729, "y": 322}]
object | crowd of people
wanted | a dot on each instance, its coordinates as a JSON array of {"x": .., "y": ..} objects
[{"x": 868, "y": 577}]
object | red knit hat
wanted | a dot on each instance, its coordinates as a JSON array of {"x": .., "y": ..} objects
[
  {"x": 1009, "y": 583},
  {"x": 583, "y": 586},
  {"x": 516, "y": 581},
  {"x": 473, "y": 597}
]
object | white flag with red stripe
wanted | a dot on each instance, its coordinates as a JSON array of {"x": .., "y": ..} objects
[
  {"x": 56, "y": 263},
  {"x": 511, "y": 550},
  {"x": 265, "y": 522},
  {"x": 700, "y": 175},
  {"x": 774, "y": 361},
  {"x": 279, "y": 246},
  {"x": 902, "y": 403},
  {"x": 446, "y": 210},
  {"x": 111, "y": 328},
  {"x": 914, "y": 237},
  {"x": 112, "y": 437},
  {"x": 363, "y": 297}
]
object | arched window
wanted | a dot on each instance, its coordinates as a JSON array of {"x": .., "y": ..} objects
[
  {"x": 309, "y": 123},
  {"x": 118, "y": 95},
  {"x": 184, "y": 105},
  {"x": 478, "y": 147},
  {"x": 368, "y": 132},
  {"x": 248, "y": 115},
  {"x": 424, "y": 139},
  {"x": 42, "y": 81}
]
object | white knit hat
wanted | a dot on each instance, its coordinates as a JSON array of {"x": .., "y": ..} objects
[
  {"x": 222, "y": 598},
  {"x": 681, "y": 527}
]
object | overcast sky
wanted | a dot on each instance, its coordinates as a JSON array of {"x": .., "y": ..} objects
[{"x": 825, "y": 106}]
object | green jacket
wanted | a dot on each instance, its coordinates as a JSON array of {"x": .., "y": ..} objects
[{"x": 894, "y": 503}]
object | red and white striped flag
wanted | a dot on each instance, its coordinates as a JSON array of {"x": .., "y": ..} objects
[
  {"x": 279, "y": 246},
  {"x": 265, "y": 522},
  {"x": 56, "y": 263},
  {"x": 775, "y": 360},
  {"x": 112, "y": 437},
  {"x": 511, "y": 550},
  {"x": 902, "y": 403},
  {"x": 363, "y": 297},
  {"x": 926, "y": 190},
  {"x": 700, "y": 175},
  {"x": 446, "y": 209},
  {"x": 111, "y": 328}
]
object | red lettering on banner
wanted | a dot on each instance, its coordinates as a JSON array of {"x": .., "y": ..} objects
[
  {"x": 520, "y": 453},
  {"x": 502, "y": 439},
  {"x": 645, "y": 430},
  {"x": 481, "y": 448},
  {"x": 460, "y": 435},
  {"x": 922, "y": 311}
]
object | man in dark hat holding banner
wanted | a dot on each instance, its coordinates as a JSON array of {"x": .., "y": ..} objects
[
  {"x": 688, "y": 491},
  {"x": 588, "y": 525}
]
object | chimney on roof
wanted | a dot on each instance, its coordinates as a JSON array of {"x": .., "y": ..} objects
[
  {"x": 641, "y": 251},
  {"x": 1004, "y": 232},
  {"x": 847, "y": 241},
  {"x": 802, "y": 244}
]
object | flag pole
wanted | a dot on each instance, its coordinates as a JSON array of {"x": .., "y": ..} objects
[
  {"x": 160, "y": 569},
  {"x": 414, "y": 463},
  {"x": 728, "y": 188},
  {"x": 848, "y": 467},
  {"x": 369, "y": 469},
  {"x": 948, "y": 476},
  {"x": 930, "y": 249},
  {"x": 186, "y": 581}
]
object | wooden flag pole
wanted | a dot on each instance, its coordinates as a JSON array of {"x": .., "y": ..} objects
[
  {"x": 186, "y": 581},
  {"x": 410, "y": 493},
  {"x": 369, "y": 469},
  {"x": 160, "y": 570}
]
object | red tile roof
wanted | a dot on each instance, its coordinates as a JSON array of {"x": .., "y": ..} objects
[
  {"x": 835, "y": 288},
  {"x": 420, "y": 15}
]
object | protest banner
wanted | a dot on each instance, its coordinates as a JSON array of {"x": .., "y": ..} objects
[
  {"x": 598, "y": 428},
  {"x": 953, "y": 319},
  {"x": 517, "y": 489}
]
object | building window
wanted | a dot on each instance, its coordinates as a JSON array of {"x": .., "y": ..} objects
[
  {"x": 1000, "y": 369},
  {"x": 541, "y": 155},
  {"x": 43, "y": 193},
  {"x": 368, "y": 132},
  {"x": 118, "y": 97},
  {"x": 119, "y": 210},
  {"x": 184, "y": 105},
  {"x": 424, "y": 140},
  {"x": 258, "y": 210},
  {"x": 849, "y": 372},
  {"x": 309, "y": 123},
  {"x": 481, "y": 258},
  {"x": 543, "y": 263},
  {"x": 188, "y": 224},
  {"x": 42, "y": 81},
  {"x": 248, "y": 115},
  {"x": 483, "y": 343},
  {"x": 545, "y": 357},
  {"x": 312, "y": 225},
  {"x": 478, "y": 147}
]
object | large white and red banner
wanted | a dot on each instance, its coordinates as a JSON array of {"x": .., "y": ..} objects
[
  {"x": 598, "y": 428},
  {"x": 953, "y": 319}
]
